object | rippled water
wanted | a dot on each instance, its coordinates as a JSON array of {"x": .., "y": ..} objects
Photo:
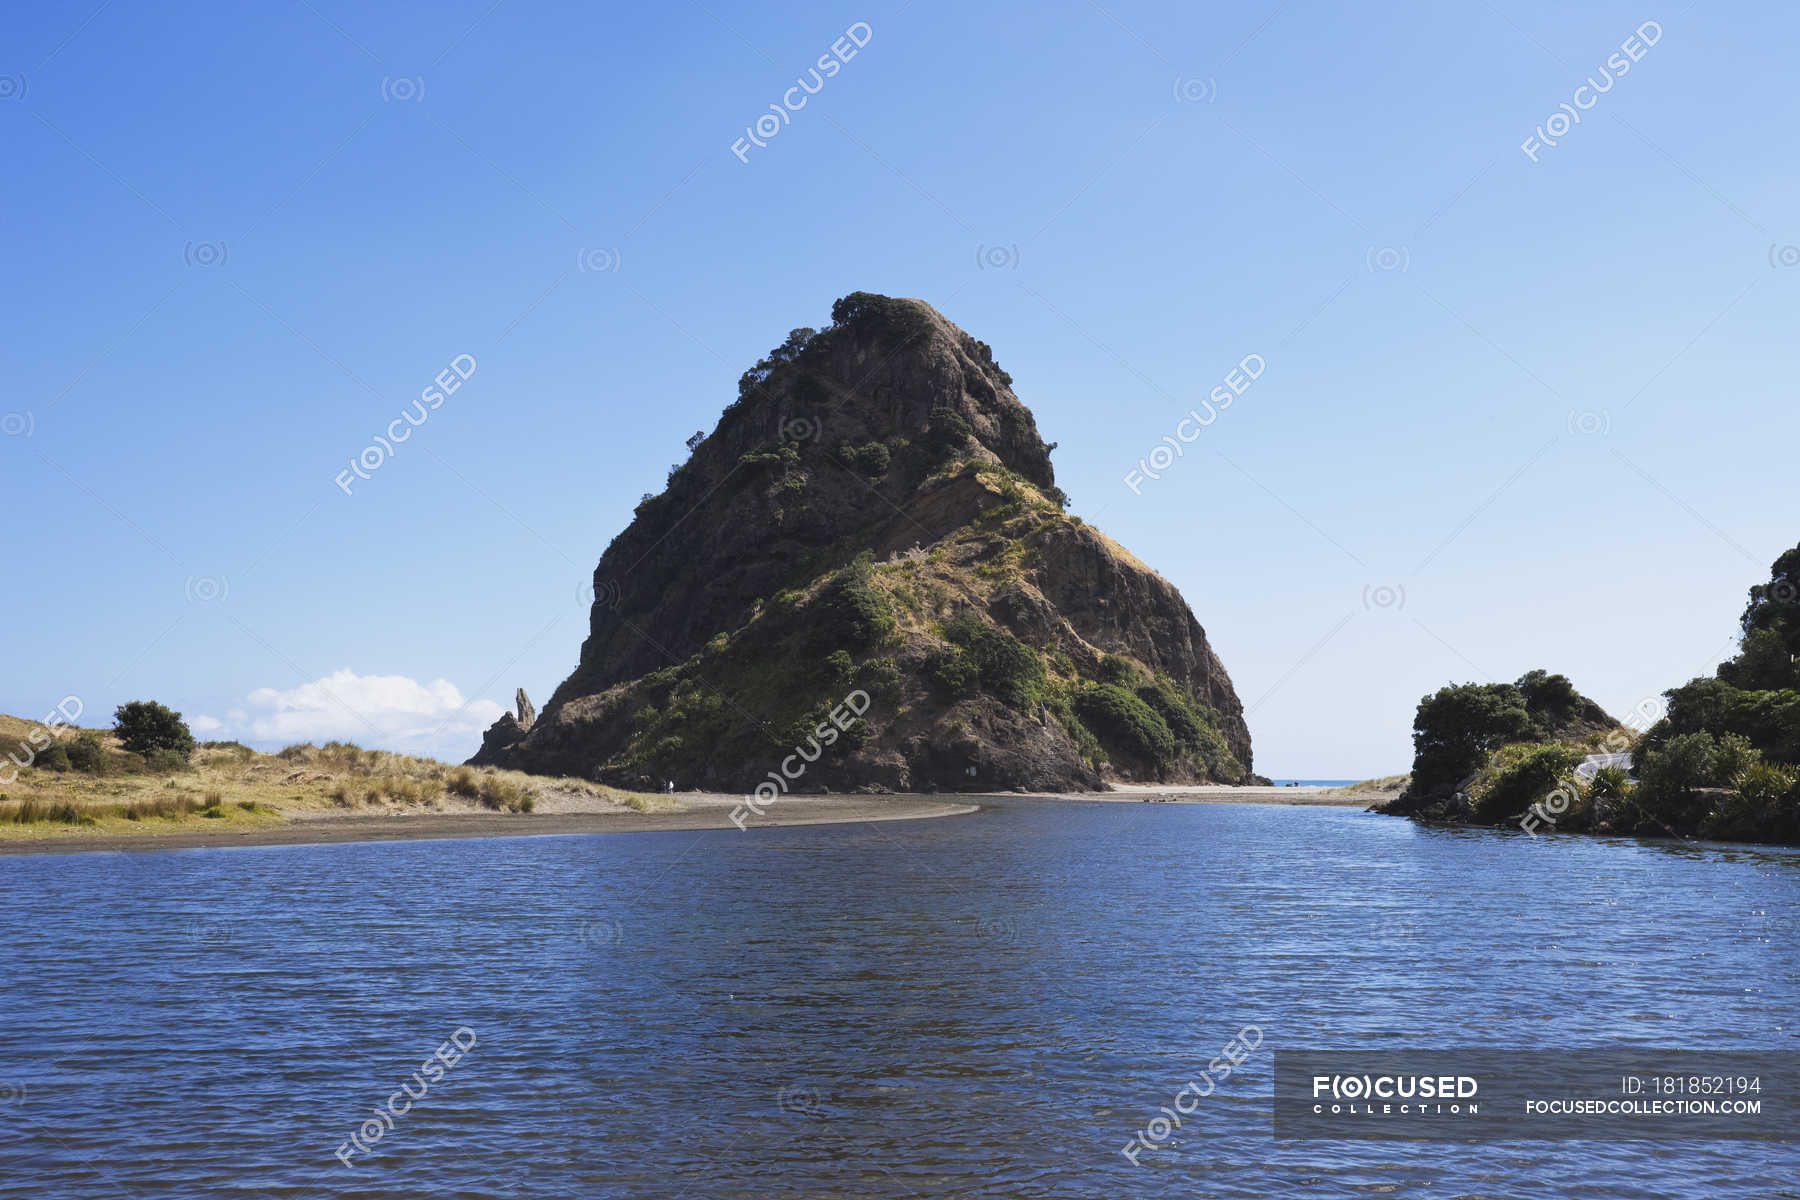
[{"x": 980, "y": 1006}]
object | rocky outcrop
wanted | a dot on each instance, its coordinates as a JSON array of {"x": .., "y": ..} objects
[
  {"x": 525, "y": 714},
  {"x": 876, "y": 513}
]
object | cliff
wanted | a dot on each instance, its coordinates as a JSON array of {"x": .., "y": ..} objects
[{"x": 875, "y": 522}]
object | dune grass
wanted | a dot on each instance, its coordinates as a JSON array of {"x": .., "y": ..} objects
[
  {"x": 232, "y": 784},
  {"x": 1386, "y": 785}
]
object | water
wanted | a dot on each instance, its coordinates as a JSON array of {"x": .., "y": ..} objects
[{"x": 981, "y": 1006}]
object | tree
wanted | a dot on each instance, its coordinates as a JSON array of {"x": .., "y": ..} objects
[
  {"x": 694, "y": 442},
  {"x": 1455, "y": 729},
  {"x": 1775, "y": 605},
  {"x": 144, "y": 726},
  {"x": 1552, "y": 699}
]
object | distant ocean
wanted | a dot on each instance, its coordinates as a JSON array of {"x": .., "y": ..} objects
[{"x": 1317, "y": 782}]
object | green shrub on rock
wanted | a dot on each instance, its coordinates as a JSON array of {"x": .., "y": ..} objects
[
  {"x": 1533, "y": 778},
  {"x": 1125, "y": 725}
]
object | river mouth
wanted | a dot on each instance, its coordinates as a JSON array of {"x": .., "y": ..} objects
[{"x": 991, "y": 1004}]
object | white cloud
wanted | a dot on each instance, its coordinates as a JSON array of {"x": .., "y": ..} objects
[{"x": 382, "y": 712}]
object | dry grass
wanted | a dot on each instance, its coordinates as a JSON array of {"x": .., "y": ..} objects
[
  {"x": 1391, "y": 785},
  {"x": 232, "y": 784}
]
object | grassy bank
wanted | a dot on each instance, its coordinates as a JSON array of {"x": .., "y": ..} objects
[{"x": 87, "y": 781}]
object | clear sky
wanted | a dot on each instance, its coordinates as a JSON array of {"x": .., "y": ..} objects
[{"x": 1522, "y": 407}]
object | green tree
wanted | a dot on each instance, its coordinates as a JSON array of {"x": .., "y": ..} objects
[
  {"x": 144, "y": 726},
  {"x": 1455, "y": 730},
  {"x": 1775, "y": 605},
  {"x": 1551, "y": 699}
]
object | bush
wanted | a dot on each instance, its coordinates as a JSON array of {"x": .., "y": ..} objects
[
  {"x": 55, "y": 758},
  {"x": 1534, "y": 777},
  {"x": 842, "y": 670},
  {"x": 852, "y": 609},
  {"x": 880, "y": 677},
  {"x": 1193, "y": 729},
  {"x": 503, "y": 795},
  {"x": 145, "y": 727},
  {"x": 1125, "y": 725},
  {"x": 1119, "y": 671},
  {"x": 1551, "y": 699},
  {"x": 1669, "y": 776},
  {"x": 896, "y": 318},
  {"x": 165, "y": 760},
  {"x": 1005, "y": 667},
  {"x": 86, "y": 754},
  {"x": 1176, "y": 710},
  {"x": 1765, "y": 805},
  {"x": 953, "y": 671},
  {"x": 948, "y": 434},
  {"x": 872, "y": 460},
  {"x": 1062, "y": 707}
]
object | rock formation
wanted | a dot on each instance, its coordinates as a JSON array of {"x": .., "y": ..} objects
[{"x": 876, "y": 516}]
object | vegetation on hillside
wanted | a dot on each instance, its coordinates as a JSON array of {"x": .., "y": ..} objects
[
  {"x": 916, "y": 632},
  {"x": 1723, "y": 762},
  {"x": 1486, "y": 752},
  {"x": 93, "y": 778}
]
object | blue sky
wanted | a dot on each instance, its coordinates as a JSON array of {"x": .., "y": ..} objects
[{"x": 1516, "y": 413}]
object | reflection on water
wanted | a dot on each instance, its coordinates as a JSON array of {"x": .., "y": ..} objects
[{"x": 991, "y": 1005}]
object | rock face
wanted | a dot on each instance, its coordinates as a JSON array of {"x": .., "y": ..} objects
[
  {"x": 526, "y": 714},
  {"x": 877, "y": 517}
]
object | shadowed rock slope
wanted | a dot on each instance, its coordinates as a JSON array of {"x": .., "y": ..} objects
[{"x": 877, "y": 513}]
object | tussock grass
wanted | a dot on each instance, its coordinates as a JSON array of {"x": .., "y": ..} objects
[
  {"x": 231, "y": 783},
  {"x": 1386, "y": 784}
]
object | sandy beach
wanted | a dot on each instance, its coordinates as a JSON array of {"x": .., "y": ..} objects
[
  {"x": 307, "y": 827},
  {"x": 1219, "y": 793},
  {"x": 567, "y": 813}
]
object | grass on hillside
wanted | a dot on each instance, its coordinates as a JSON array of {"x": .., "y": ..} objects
[
  {"x": 233, "y": 784},
  {"x": 1386, "y": 783}
]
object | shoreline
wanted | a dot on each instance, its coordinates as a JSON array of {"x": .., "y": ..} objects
[
  {"x": 699, "y": 812},
  {"x": 565, "y": 816},
  {"x": 1310, "y": 796}
]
